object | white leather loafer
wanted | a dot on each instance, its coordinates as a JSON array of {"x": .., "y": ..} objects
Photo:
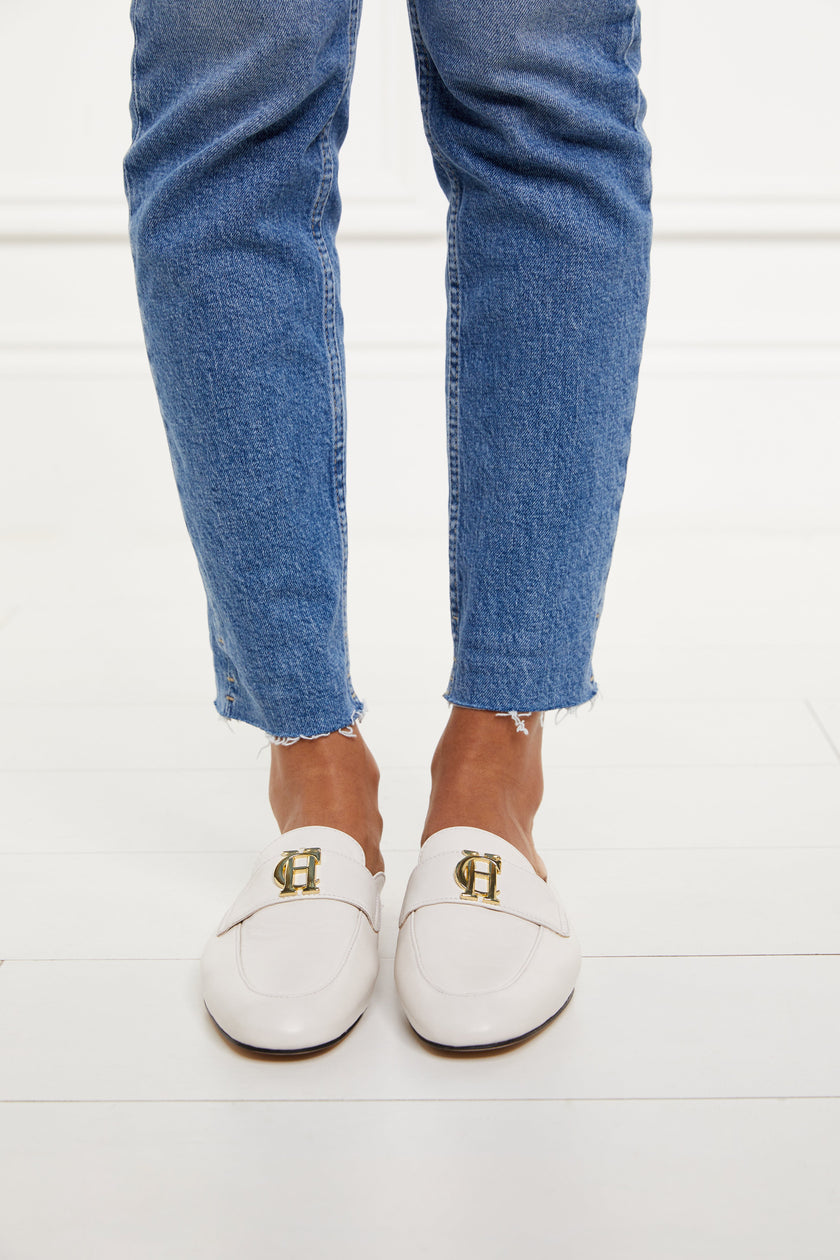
[
  {"x": 485, "y": 953},
  {"x": 293, "y": 963}
]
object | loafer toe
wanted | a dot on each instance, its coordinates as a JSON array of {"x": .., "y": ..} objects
[
  {"x": 479, "y": 971},
  {"x": 291, "y": 968}
]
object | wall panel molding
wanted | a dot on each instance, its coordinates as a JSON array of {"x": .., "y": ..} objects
[
  {"x": 413, "y": 357},
  {"x": 396, "y": 214}
]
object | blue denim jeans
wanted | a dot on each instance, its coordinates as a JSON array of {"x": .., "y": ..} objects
[{"x": 533, "y": 113}]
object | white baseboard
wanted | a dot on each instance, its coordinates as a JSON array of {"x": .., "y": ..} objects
[{"x": 95, "y": 218}]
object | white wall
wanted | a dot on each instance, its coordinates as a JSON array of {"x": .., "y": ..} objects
[{"x": 737, "y": 415}]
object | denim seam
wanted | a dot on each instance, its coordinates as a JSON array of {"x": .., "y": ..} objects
[
  {"x": 453, "y": 412},
  {"x": 135, "y": 97},
  {"x": 634, "y": 30},
  {"x": 331, "y": 330},
  {"x": 223, "y": 694},
  {"x": 425, "y": 80}
]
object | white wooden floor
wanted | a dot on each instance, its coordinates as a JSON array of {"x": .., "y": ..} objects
[{"x": 686, "y": 1105}]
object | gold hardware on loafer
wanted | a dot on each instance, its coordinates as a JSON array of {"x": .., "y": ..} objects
[
  {"x": 295, "y": 862},
  {"x": 467, "y": 872}
]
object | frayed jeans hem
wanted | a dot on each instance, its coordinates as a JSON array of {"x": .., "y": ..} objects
[
  {"x": 517, "y": 715},
  {"x": 343, "y": 727}
]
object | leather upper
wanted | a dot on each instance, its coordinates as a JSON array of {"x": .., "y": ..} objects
[
  {"x": 485, "y": 953},
  {"x": 293, "y": 963},
  {"x": 518, "y": 889},
  {"x": 340, "y": 874}
]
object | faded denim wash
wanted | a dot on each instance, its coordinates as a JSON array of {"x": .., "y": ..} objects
[{"x": 533, "y": 113}]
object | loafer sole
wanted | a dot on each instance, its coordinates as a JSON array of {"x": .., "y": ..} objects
[
  {"x": 283, "y": 1054},
  {"x": 492, "y": 1045}
]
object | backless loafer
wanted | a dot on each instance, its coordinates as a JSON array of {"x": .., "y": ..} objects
[
  {"x": 485, "y": 953},
  {"x": 293, "y": 963}
]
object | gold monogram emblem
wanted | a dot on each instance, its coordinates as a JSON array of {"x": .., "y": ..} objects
[
  {"x": 295, "y": 872},
  {"x": 468, "y": 871}
]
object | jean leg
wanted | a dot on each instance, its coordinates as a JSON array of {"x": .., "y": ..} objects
[
  {"x": 534, "y": 113},
  {"x": 238, "y": 113}
]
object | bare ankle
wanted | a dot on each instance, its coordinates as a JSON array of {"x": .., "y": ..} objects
[
  {"x": 488, "y": 774},
  {"x": 331, "y": 782}
]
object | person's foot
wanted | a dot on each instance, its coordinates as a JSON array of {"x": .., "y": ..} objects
[
  {"x": 487, "y": 773},
  {"x": 496, "y": 962},
  {"x": 332, "y": 781}
]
